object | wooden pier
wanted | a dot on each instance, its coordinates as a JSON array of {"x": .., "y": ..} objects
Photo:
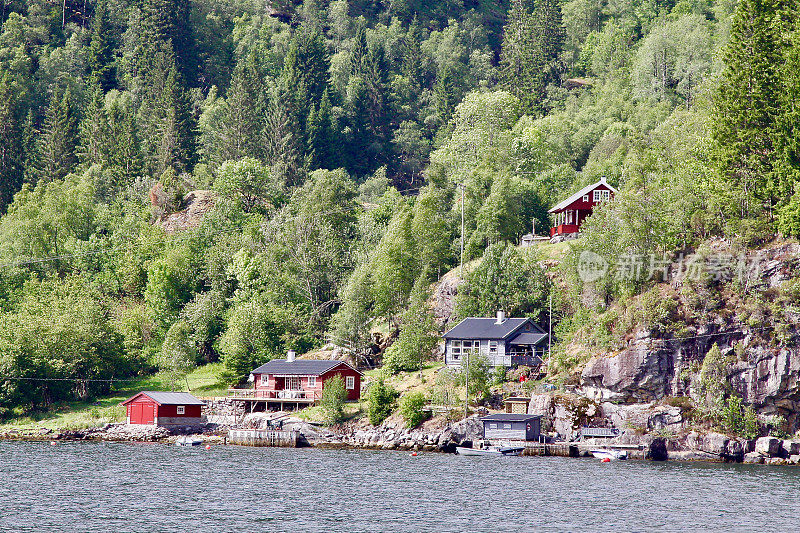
[
  {"x": 558, "y": 449},
  {"x": 574, "y": 449},
  {"x": 264, "y": 437}
]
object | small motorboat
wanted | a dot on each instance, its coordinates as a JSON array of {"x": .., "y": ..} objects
[
  {"x": 187, "y": 440},
  {"x": 490, "y": 450},
  {"x": 611, "y": 455}
]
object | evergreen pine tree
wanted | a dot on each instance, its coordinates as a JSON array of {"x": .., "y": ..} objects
[
  {"x": 11, "y": 171},
  {"x": 169, "y": 21},
  {"x": 282, "y": 148},
  {"x": 167, "y": 124},
  {"x": 58, "y": 141},
  {"x": 747, "y": 107},
  {"x": 532, "y": 39},
  {"x": 241, "y": 117},
  {"x": 100, "y": 53},
  {"x": 94, "y": 130},
  {"x": 787, "y": 140},
  {"x": 303, "y": 82},
  {"x": 126, "y": 155},
  {"x": 411, "y": 66},
  {"x": 359, "y": 49}
]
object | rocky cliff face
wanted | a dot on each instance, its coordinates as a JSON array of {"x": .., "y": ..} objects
[{"x": 764, "y": 355}]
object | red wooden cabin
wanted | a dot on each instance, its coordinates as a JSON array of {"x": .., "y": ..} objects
[
  {"x": 570, "y": 214},
  {"x": 164, "y": 409},
  {"x": 300, "y": 381}
]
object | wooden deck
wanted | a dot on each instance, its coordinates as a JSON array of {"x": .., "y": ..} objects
[
  {"x": 293, "y": 396},
  {"x": 281, "y": 399}
]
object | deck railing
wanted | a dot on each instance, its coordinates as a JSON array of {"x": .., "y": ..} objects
[{"x": 272, "y": 394}]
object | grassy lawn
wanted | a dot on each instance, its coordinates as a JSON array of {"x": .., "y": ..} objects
[
  {"x": 82, "y": 414},
  {"x": 408, "y": 381},
  {"x": 314, "y": 413},
  {"x": 554, "y": 251}
]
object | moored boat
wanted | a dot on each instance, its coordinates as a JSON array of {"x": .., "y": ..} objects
[
  {"x": 491, "y": 450},
  {"x": 186, "y": 440},
  {"x": 613, "y": 455}
]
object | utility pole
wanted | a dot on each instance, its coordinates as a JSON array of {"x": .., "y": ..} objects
[
  {"x": 461, "y": 276},
  {"x": 549, "y": 332},
  {"x": 461, "y": 266}
]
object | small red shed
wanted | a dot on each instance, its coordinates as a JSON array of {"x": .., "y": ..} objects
[
  {"x": 570, "y": 214},
  {"x": 164, "y": 409}
]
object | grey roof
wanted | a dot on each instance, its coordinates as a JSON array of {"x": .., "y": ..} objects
[
  {"x": 510, "y": 417},
  {"x": 484, "y": 328},
  {"x": 298, "y": 367},
  {"x": 528, "y": 338},
  {"x": 487, "y": 328},
  {"x": 171, "y": 398}
]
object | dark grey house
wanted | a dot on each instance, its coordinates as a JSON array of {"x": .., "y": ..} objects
[
  {"x": 508, "y": 426},
  {"x": 505, "y": 341}
]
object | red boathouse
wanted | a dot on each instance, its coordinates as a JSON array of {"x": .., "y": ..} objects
[
  {"x": 570, "y": 214},
  {"x": 166, "y": 409}
]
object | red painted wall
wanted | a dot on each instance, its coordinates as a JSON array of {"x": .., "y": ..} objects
[
  {"x": 584, "y": 210},
  {"x": 143, "y": 410},
  {"x": 278, "y": 383},
  {"x": 344, "y": 371},
  {"x": 191, "y": 411}
]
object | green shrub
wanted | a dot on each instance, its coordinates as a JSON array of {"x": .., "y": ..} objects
[
  {"x": 411, "y": 406},
  {"x": 380, "y": 402},
  {"x": 334, "y": 395},
  {"x": 480, "y": 371}
]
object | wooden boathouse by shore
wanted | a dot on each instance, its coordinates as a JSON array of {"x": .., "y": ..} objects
[{"x": 165, "y": 409}]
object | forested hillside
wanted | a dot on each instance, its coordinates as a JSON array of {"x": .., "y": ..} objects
[{"x": 333, "y": 141}]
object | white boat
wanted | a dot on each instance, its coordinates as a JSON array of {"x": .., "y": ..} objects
[
  {"x": 491, "y": 450},
  {"x": 186, "y": 440},
  {"x": 612, "y": 455}
]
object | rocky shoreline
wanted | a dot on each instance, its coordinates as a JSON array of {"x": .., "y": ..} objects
[{"x": 437, "y": 435}]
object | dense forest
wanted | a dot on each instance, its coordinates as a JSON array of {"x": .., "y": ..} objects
[{"x": 334, "y": 142}]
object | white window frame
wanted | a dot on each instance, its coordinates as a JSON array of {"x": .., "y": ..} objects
[
  {"x": 585, "y": 197},
  {"x": 492, "y": 425},
  {"x": 506, "y": 425},
  {"x": 312, "y": 381},
  {"x": 455, "y": 349},
  {"x": 181, "y": 409},
  {"x": 601, "y": 195},
  {"x": 265, "y": 380},
  {"x": 292, "y": 383},
  {"x": 350, "y": 382},
  {"x": 493, "y": 347}
]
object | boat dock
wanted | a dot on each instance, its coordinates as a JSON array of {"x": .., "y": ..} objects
[
  {"x": 264, "y": 437},
  {"x": 571, "y": 449}
]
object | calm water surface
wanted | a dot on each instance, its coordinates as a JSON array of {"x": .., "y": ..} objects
[{"x": 155, "y": 487}]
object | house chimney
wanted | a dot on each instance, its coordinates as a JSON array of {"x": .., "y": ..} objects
[
  {"x": 290, "y": 355},
  {"x": 501, "y": 317}
]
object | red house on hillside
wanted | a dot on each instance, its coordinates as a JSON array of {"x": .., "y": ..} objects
[
  {"x": 570, "y": 214},
  {"x": 166, "y": 409},
  {"x": 298, "y": 382}
]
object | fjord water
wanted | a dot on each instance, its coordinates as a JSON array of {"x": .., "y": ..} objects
[{"x": 155, "y": 487}]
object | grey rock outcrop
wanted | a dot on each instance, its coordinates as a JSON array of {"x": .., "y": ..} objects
[
  {"x": 768, "y": 446},
  {"x": 766, "y": 374}
]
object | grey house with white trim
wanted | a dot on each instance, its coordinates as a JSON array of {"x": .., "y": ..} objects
[{"x": 504, "y": 341}]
